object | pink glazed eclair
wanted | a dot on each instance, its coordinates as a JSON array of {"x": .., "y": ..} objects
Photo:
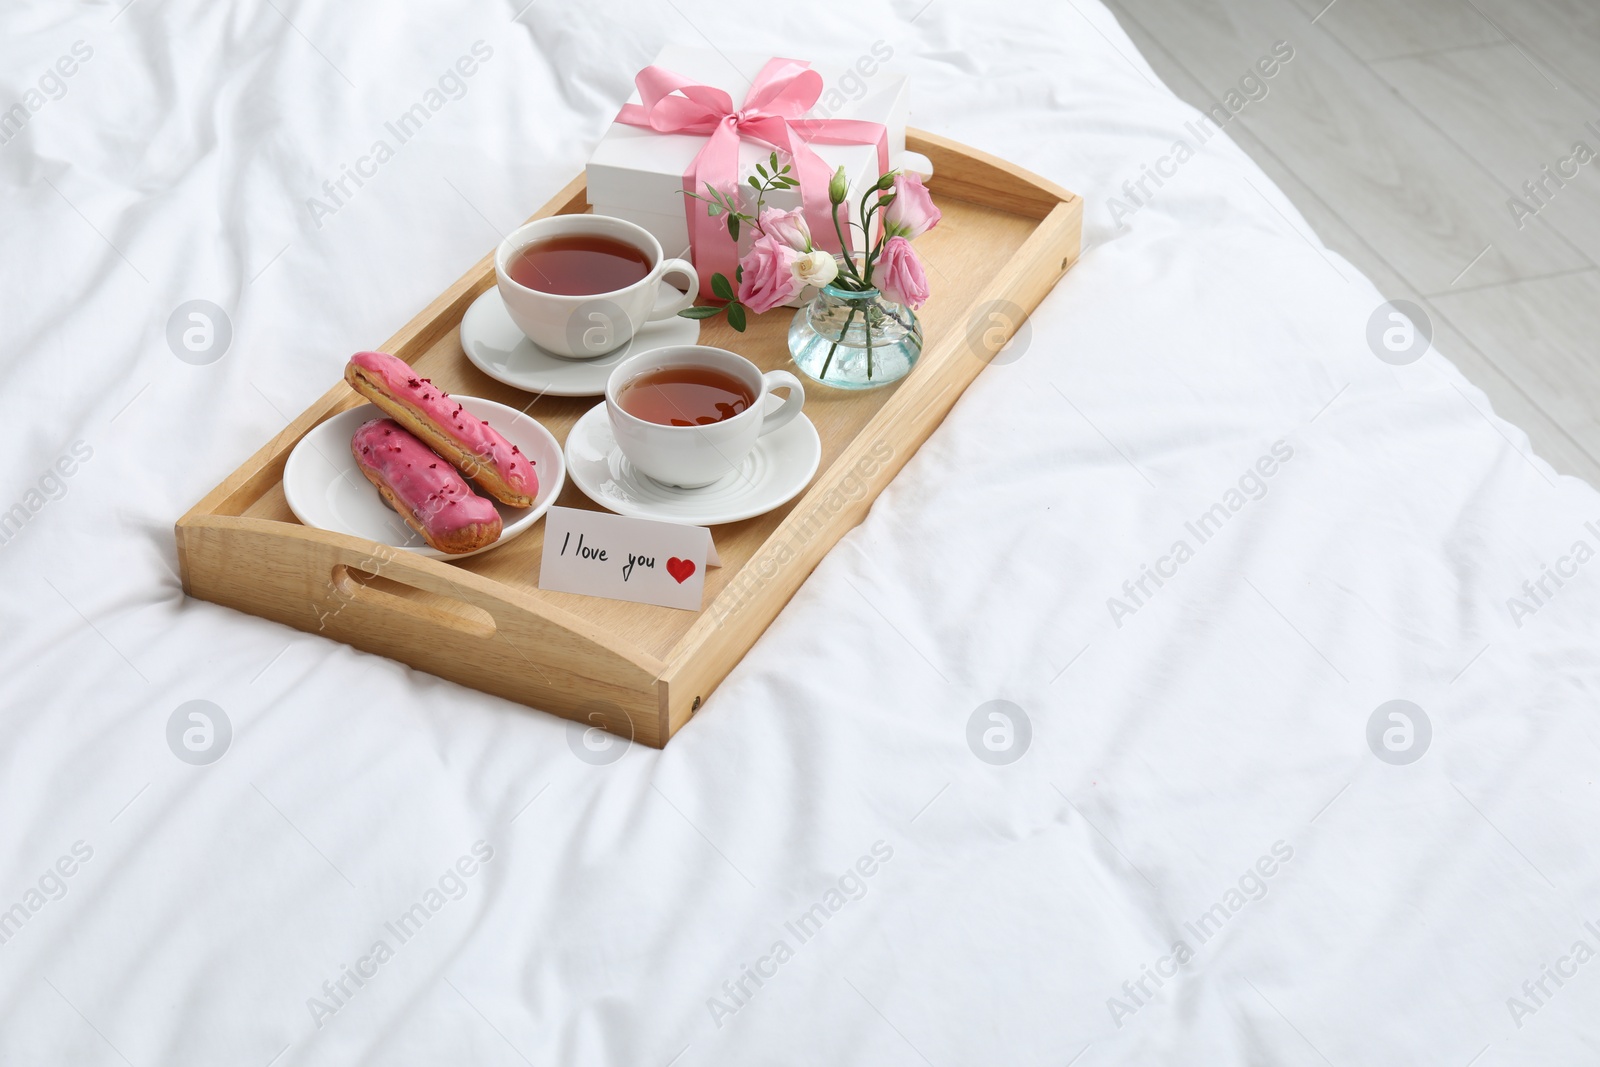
[
  {"x": 471, "y": 445},
  {"x": 423, "y": 489}
]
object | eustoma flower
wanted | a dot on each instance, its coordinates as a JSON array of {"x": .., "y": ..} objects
[
  {"x": 816, "y": 268},
  {"x": 812, "y": 266},
  {"x": 899, "y": 273},
  {"x": 767, "y": 274},
  {"x": 911, "y": 213},
  {"x": 787, "y": 226}
]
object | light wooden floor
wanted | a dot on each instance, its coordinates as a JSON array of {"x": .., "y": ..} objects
[{"x": 1401, "y": 129}]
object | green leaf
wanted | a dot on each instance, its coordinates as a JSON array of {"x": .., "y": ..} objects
[
  {"x": 761, "y": 171},
  {"x": 736, "y": 316},
  {"x": 733, "y": 226},
  {"x": 713, "y": 210},
  {"x": 720, "y": 286},
  {"x": 700, "y": 312},
  {"x": 753, "y": 183},
  {"x": 738, "y": 273},
  {"x": 774, "y": 161}
]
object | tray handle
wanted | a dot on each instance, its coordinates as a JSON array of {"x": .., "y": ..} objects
[
  {"x": 409, "y": 588},
  {"x": 358, "y": 586}
]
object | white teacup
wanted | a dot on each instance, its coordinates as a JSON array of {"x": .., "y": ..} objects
[
  {"x": 693, "y": 456},
  {"x": 589, "y": 326}
]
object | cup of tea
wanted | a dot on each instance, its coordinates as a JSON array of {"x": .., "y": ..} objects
[
  {"x": 687, "y": 415},
  {"x": 580, "y": 286}
]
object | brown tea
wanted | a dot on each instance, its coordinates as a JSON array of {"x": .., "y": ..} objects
[
  {"x": 579, "y": 264},
  {"x": 685, "y": 396}
]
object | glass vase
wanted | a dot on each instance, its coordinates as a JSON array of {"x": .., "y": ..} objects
[{"x": 854, "y": 340}]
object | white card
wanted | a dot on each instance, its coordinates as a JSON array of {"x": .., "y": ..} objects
[{"x": 596, "y": 553}]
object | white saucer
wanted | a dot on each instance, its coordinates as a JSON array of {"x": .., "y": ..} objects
[
  {"x": 495, "y": 346},
  {"x": 777, "y": 469},
  {"x": 326, "y": 489}
]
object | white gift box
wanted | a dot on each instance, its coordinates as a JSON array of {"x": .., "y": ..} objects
[{"x": 637, "y": 174}]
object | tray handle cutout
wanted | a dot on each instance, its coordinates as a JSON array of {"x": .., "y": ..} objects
[{"x": 356, "y": 586}]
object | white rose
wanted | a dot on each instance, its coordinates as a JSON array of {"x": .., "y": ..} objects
[{"x": 816, "y": 268}]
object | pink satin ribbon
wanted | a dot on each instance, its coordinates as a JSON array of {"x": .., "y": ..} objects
[{"x": 772, "y": 113}]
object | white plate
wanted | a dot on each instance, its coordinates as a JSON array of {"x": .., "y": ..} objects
[
  {"x": 777, "y": 469},
  {"x": 495, "y": 346},
  {"x": 327, "y": 490}
]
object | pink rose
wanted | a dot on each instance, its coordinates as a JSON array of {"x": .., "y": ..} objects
[
  {"x": 912, "y": 213},
  {"x": 769, "y": 278},
  {"x": 898, "y": 274},
  {"x": 789, "y": 227}
]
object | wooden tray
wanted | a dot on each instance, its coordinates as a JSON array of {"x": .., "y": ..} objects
[{"x": 640, "y": 671}]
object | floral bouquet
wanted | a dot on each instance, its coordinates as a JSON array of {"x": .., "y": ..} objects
[
  {"x": 782, "y": 260},
  {"x": 875, "y": 289}
]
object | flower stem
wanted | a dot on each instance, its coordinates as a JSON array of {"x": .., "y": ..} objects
[
  {"x": 866, "y": 243},
  {"x": 889, "y": 310},
  {"x": 823, "y": 375},
  {"x": 866, "y": 320},
  {"x": 844, "y": 249}
]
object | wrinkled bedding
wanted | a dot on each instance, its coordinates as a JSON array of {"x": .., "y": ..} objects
[{"x": 1189, "y": 531}]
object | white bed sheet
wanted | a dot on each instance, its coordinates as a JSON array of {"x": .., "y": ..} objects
[{"x": 1013, "y": 911}]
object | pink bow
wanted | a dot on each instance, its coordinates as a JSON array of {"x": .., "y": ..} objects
[{"x": 772, "y": 113}]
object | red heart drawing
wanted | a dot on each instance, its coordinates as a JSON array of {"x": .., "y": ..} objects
[{"x": 680, "y": 569}]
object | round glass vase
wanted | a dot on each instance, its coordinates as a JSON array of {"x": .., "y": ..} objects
[{"x": 854, "y": 339}]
